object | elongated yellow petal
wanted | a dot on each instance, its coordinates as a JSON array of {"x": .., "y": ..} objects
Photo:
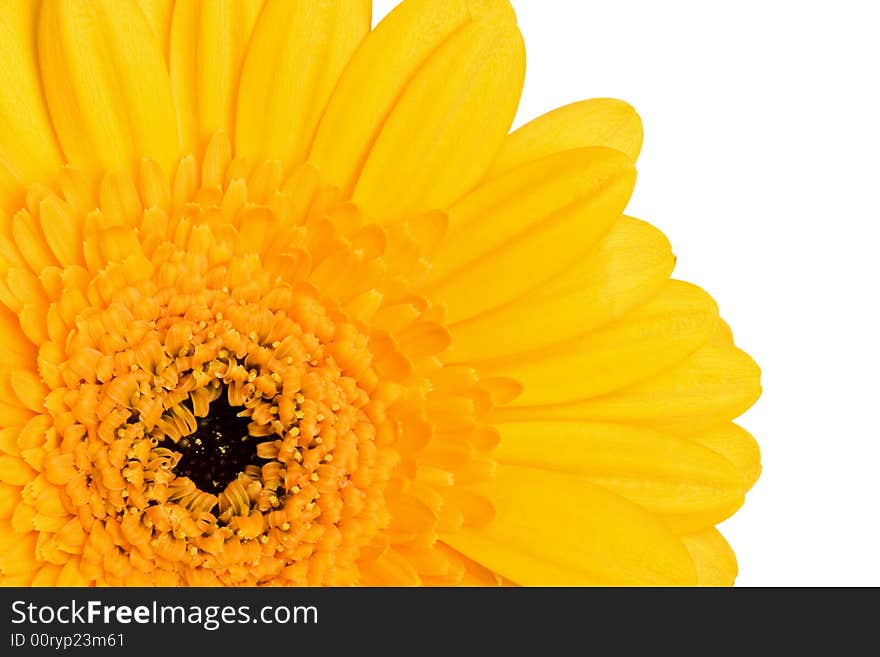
[
  {"x": 28, "y": 149},
  {"x": 713, "y": 385},
  {"x": 713, "y": 558},
  {"x": 596, "y": 122},
  {"x": 552, "y": 528},
  {"x": 158, "y": 13},
  {"x": 10, "y": 497},
  {"x": 106, "y": 85},
  {"x": 526, "y": 227},
  {"x": 722, "y": 336},
  {"x": 736, "y": 445},
  {"x": 710, "y": 387},
  {"x": 449, "y": 122},
  {"x": 497, "y": 212},
  {"x": 648, "y": 340},
  {"x": 296, "y": 53},
  {"x": 17, "y": 553},
  {"x": 689, "y": 486},
  {"x": 11, "y": 191},
  {"x": 14, "y": 471},
  {"x": 628, "y": 266},
  {"x": 208, "y": 42},
  {"x": 377, "y": 75}
]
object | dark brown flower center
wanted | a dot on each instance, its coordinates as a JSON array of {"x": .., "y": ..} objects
[{"x": 218, "y": 450}]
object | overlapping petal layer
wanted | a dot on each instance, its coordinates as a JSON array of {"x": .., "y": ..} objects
[
  {"x": 28, "y": 149},
  {"x": 106, "y": 85},
  {"x": 208, "y": 43}
]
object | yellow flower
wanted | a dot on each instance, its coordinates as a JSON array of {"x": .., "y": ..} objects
[{"x": 282, "y": 302}]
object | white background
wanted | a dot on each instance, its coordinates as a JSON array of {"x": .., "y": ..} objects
[{"x": 760, "y": 163}]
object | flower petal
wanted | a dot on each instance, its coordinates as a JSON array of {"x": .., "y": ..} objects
[
  {"x": 296, "y": 53},
  {"x": 596, "y": 122},
  {"x": 552, "y": 528},
  {"x": 628, "y": 266},
  {"x": 18, "y": 350},
  {"x": 376, "y": 78},
  {"x": 710, "y": 387},
  {"x": 521, "y": 229},
  {"x": 106, "y": 85},
  {"x": 713, "y": 558},
  {"x": 10, "y": 498},
  {"x": 14, "y": 471},
  {"x": 446, "y": 128},
  {"x": 497, "y": 212},
  {"x": 158, "y": 14},
  {"x": 448, "y": 123},
  {"x": 722, "y": 335},
  {"x": 11, "y": 191},
  {"x": 28, "y": 149},
  {"x": 687, "y": 485},
  {"x": 736, "y": 445},
  {"x": 17, "y": 552},
  {"x": 208, "y": 43},
  {"x": 650, "y": 339}
]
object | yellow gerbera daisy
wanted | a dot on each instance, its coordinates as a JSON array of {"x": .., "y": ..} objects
[{"x": 282, "y": 302}]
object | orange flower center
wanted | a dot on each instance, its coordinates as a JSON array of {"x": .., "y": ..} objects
[
  {"x": 236, "y": 384},
  {"x": 208, "y": 342}
]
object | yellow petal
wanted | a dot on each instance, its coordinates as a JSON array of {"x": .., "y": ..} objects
[
  {"x": 11, "y": 191},
  {"x": 596, "y": 122},
  {"x": 17, "y": 551},
  {"x": 11, "y": 415},
  {"x": 208, "y": 42},
  {"x": 628, "y": 266},
  {"x": 522, "y": 229},
  {"x": 296, "y": 53},
  {"x": 106, "y": 84},
  {"x": 28, "y": 149},
  {"x": 552, "y": 528},
  {"x": 14, "y": 471},
  {"x": 29, "y": 389},
  {"x": 30, "y": 242},
  {"x": 158, "y": 13},
  {"x": 651, "y": 338},
  {"x": 10, "y": 498},
  {"x": 710, "y": 387},
  {"x": 71, "y": 575},
  {"x": 447, "y": 125},
  {"x": 18, "y": 350},
  {"x": 713, "y": 558},
  {"x": 474, "y": 573},
  {"x": 63, "y": 230},
  {"x": 722, "y": 335},
  {"x": 501, "y": 210},
  {"x": 390, "y": 569},
  {"x": 687, "y": 485},
  {"x": 377, "y": 75},
  {"x": 736, "y": 445},
  {"x": 47, "y": 575}
]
